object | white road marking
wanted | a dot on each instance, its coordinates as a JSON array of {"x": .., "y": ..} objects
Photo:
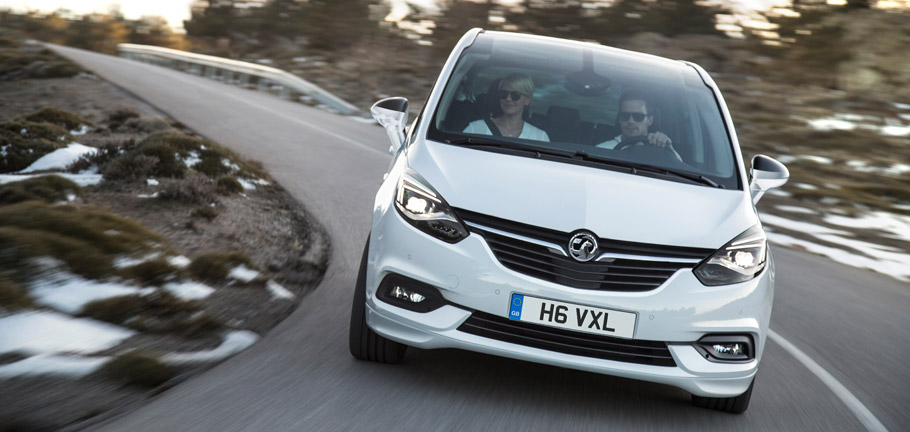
[{"x": 859, "y": 410}]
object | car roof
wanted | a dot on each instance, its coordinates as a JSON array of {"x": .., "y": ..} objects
[{"x": 622, "y": 56}]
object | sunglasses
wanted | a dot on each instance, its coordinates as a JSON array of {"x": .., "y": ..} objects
[
  {"x": 503, "y": 94},
  {"x": 638, "y": 117}
]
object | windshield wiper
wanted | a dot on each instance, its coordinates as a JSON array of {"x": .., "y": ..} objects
[
  {"x": 481, "y": 142},
  {"x": 644, "y": 167}
]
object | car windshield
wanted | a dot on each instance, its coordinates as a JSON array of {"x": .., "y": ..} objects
[{"x": 589, "y": 102}]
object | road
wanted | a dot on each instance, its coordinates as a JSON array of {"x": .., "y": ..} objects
[{"x": 853, "y": 324}]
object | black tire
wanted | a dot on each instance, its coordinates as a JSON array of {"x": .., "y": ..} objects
[
  {"x": 733, "y": 405},
  {"x": 365, "y": 344}
]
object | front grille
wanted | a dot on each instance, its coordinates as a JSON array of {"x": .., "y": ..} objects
[
  {"x": 568, "y": 342},
  {"x": 620, "y": 274}
]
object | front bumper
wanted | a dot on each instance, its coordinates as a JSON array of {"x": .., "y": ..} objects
[{"x": 470, "y": 278}]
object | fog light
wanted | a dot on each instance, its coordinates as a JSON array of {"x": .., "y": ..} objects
[
  {"x": 404, "y": 294},
  {"x": 732, "y": 349},
  {"x": 726, "y": 348},
  {"x": 409, "y": 294}
]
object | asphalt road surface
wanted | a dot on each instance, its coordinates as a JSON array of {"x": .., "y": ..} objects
[{"x": 852, "y": 325}]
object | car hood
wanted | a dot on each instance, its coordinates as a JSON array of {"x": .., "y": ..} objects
[{"x": 568, "y": 197}]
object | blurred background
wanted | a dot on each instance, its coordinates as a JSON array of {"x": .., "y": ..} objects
[{"x": 822, "y": 85}]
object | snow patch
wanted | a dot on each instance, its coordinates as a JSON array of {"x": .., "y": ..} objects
[
  {"x": 795, "y": 209},
  {"x": 71, "y": 293},
  {"x": 43, "y": 332},
  {"x": 191, "y": 160},
  {"x": 60, "y": 158},
  {"x": 70, "y": 366},
  {"x": 80, "y": 179},
  {"x": 81, "y": 130},
  {"x": 154, "y": 195},
  {"x": 278, "y": 291},
  {"x": 189, "y": 290},
  {"x": 831, "y": 123},
  {"x": 785, "y": 159},
  {"x": 243, "y": 273},
  {"x": 151, "y": 182},
  {"x": 818, "y": 159},
  {"x": 125, "y": 261},
  {"x": 234, "y": 342},
  {"x": 250, "y": 184},
  {"x": 179, "y": 261},
  {"x": 899, "y": 270}
]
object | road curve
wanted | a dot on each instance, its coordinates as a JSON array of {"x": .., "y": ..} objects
[{"x": 852, "y": 323}]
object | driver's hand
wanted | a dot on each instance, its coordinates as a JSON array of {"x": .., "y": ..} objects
[{"x": 659, "y": 139}]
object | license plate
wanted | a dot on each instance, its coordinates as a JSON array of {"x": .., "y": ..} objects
[{"x": 570, "y": 316}]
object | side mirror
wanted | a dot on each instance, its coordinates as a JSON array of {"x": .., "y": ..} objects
[
  {"x": 766, "y": 174},
  {"x": 392, "y": 114}
]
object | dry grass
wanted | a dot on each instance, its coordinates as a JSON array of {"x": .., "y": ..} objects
[
  {"x": 86, "y": 240},
  {"x": 13, "y": 296},
  {"x": 159, "y": 312},
  {"x": 215, "y": 266},
  {"x": 48, "y": 188},
  {"x": 138, "y": 368},
  {"x": 58, "y": 117},
  {"x": 24, "y": 142},
  {"x": 194, "y": 189},
  {"x": 117, "y": 118},
  {"x": 228, "y": 185}
]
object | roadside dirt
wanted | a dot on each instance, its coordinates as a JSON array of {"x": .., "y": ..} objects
[{"x": 284, "y": 244}]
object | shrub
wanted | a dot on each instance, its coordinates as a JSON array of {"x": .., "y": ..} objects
[
  {"x": 146, "y": 124},
  {"x": 13, "y": 296},
  {"x": 120, "y": 116},
  {"x": 24, "y": 142},
  {"x": 48, "y": 188},
  {"x": 101, "y": 158},
  {"x": 129, "y": 168},
  {"x": 211, "y": 164},
  {"x": 215, "y": 266},
  {"x": 29, "y": 130},
  {"x": 163, "y": 150},
  {"x": 228, "y": 184},
  {"x": 56, "y": 68},
  {"x": 194, "y": 189},
  {"x": 154, "y": 272},
  {"x": 86, "y": 239},
  {"x": 138, "y": 368},
  {"x": 135, "y": 310},
  {"x": 58, "y": 117},
  {"x": 205, "y": 212},
  {"x": 159, "y": 312}
]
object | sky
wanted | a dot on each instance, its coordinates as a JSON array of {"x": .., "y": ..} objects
[{"x": 174, "y": 11}]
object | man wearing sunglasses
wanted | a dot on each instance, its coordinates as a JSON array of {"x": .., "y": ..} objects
[{"x": 633, "y": 120}]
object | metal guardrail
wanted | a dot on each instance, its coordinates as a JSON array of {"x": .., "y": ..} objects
[{"x": 249, "y": 75}]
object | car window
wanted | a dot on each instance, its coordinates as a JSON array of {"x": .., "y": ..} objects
[{"x": 577, "y": 90}]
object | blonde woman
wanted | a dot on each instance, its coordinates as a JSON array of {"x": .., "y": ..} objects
[{"x": 515, "y": 94}]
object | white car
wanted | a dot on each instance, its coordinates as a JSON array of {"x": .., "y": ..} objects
[{"x": 575, "y": 205}]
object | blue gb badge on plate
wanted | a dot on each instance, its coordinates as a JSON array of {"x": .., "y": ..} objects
[{"x": 515, "y": 308}]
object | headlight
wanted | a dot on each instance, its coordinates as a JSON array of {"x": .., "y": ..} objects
[
  {"x": 422, "y": 207},
  {"x": 738, "y": 261}
]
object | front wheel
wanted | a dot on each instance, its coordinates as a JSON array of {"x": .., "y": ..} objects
[
  {"x": 734, "y": 405},
  {"x": 365, "y": 344}
]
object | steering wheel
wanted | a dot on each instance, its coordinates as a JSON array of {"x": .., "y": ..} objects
[
  {"x": 625, "y": 144},
  {"x": 647, "y": 152}
]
